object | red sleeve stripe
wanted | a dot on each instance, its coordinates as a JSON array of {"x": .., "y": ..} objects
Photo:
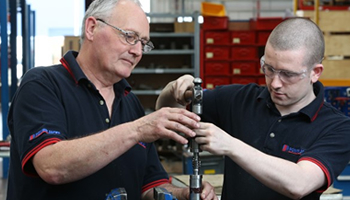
[
  {"x": 154, "y": 184},
  {"x": 31, "y": 153},
  {"x": 324, "y": 169}
]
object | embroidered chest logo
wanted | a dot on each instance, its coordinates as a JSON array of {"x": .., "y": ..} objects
[{"x": 292, "y": 150}]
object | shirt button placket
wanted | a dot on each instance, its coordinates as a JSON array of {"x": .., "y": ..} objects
[
  {"x": 102, "y": 102},
  {"x": 272, "y": 134}
]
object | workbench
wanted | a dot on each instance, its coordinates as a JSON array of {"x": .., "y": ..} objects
[{"x": 216, "y": 180}]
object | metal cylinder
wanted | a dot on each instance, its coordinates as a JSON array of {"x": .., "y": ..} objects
[
  {"x": 197, "y": 96},
  {"x": 195, "y": 187},
  {"x": 197, "y": 108},
  {"x": 196, "y": 178}
]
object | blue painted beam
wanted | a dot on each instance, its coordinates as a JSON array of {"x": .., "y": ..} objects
[
  {"x": 25, "y": 36},
  {"x": 33, "y": 24},
  {"x": 13, "y": 47},
  {"x": 28, "y": 38},
  {"x": 4, "y": 76}
]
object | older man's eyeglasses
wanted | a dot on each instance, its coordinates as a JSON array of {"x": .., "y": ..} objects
[
  {"x": 286, "y": 76},
  {"x": 132, "y": 38}
]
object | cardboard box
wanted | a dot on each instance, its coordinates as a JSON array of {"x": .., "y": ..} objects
[
  {"x": 161, "y": 27},
  {"x": 184, "y": 27},
  {"x": 71, "y": 43},
  {"x": 336, "y": 69},
  {"x": 329, "y": 21},
  {"x": 337, "y": 44}
]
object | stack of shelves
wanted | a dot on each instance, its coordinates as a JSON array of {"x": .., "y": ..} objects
[
  {"x": 334, "y": 22},
  {"x": 231, "y": 50},
  {"x": 176, "y": 53},
  {"x": 325, "y": 4}
]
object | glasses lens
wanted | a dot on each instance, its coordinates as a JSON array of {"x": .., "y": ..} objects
[
  {"x": 147, "y": 47},
  {"x": 290, "y": 77},
  {"x": 285, "y": 76},
  {"x": 131, "y": 37},
  {"x": 268, "y": 71}
]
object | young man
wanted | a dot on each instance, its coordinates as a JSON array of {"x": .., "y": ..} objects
[
  {"x": 281, "y": 141},
  {"x": 78, "y": 132}
]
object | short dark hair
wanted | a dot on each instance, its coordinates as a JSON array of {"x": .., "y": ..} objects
[{"x": 299, "y": 33}]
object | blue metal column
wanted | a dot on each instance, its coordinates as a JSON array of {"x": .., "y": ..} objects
[
  {"x": 32, "y": 14},
  {"x": 28, "y": 38},
  {"x": 25, "y": 36},
  {"x": 13, "y": 47},
  {"x": 4, "y": 76}
]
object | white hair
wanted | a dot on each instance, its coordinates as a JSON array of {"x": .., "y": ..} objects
[{"x": 101, "y": 9}]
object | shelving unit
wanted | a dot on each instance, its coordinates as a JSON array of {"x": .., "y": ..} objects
[
  {"x": 4, "y": 76},
  {"x": 235, "y": 9},
  {"x": 231, "y": 50},
  {"x": 324, "y": 4},
  {"x": 8, "y": 16},
  {"x": 175, "y": 54}
]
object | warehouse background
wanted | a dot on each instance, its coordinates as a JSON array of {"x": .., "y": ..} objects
[
  {"x": 222, "y": 44},
  {"x": 50, "y": 30}
]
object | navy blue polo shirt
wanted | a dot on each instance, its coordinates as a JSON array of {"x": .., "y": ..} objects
[
  {"x": 58, "y": 103},
  {"x": 318, "y": 133}
]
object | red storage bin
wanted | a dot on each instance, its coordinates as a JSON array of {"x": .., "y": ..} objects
[
  {"x": 217, "y": 52},
  {"x": 243, "y": 37},
  {"x": 212, "y": 82},
  {"x": 244, "y": 52},
  {"x": 244, "y": 68},
  {"x": 217, "y": 68},
  {"x": 261, "y": 80},
  {"x": 263, "y": 36},
  {"x": 243, "y": 80},
  {"x": 215, "y": 23},
  {"x": 266, "y": 23},
  {"x": 217, "y": 37}
]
